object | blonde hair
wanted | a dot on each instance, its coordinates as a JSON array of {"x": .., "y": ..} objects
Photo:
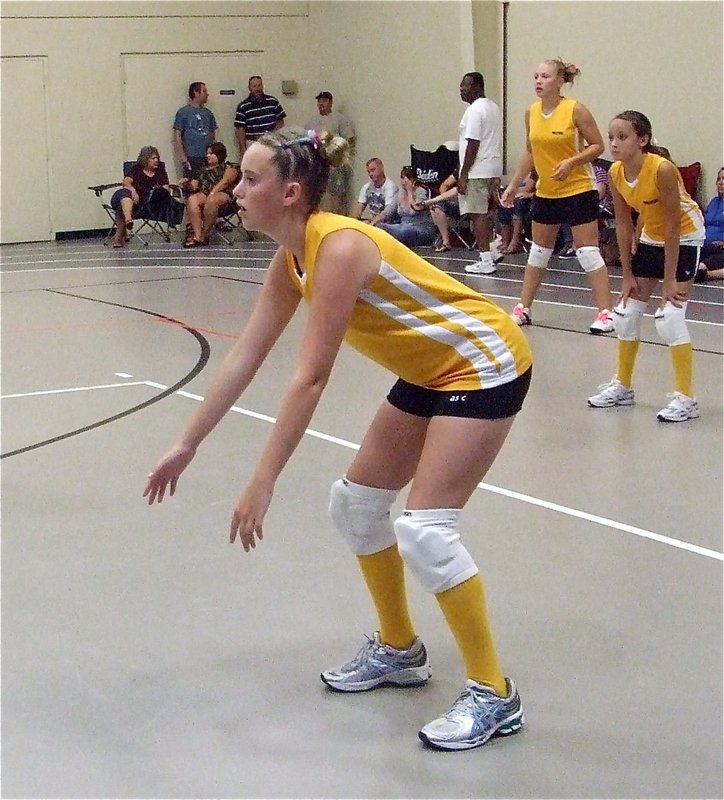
[
  {"x": 566, "y": 69},
  {"x": 306, "y": 157}
]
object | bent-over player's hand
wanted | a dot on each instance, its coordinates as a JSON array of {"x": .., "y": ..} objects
[
  {"x": 166, "y": 473},
  {"x": 248, "y": 516},
  {"x": 671, "y": 293}
]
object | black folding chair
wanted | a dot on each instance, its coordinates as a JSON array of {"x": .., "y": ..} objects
[
  {"x": 228, "y": 224},
  {"x": 432, "y": 167},
  {"x": 160, "y": 214}
]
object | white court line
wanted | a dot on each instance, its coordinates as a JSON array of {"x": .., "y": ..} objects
[
  {"x": 191, "y": 266},
  {"x": 572, "y": 512},
  {"x": 74, "y": 389}
]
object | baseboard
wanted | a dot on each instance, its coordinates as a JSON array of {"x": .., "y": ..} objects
[{"x": 62, "y": 236}]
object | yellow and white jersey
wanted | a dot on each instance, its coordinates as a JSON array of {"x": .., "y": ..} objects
[
  {"x": 553, "y": 138},
  {"x": 644, "y": 196},
  {"x": 419, "y": 322}
]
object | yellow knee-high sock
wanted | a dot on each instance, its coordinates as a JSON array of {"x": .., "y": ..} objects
[
  {"x": 682, "y": 358},
  {"x": 384, "y": 573},
  {"x": 465, "y": 611},
  {"x": 627, "y": 351}
]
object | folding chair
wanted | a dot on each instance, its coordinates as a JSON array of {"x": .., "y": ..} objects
[
  {"x": 432, "y": 167},
  {"x": 228, "y": 225},
  {"x": 158, "y": 218}
]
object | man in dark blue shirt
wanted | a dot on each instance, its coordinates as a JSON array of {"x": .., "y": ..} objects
[{"x": 259, "y": 113}]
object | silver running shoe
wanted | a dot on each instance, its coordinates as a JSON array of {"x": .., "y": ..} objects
[
  {"x": 613, "y": 393},
  {"x": 679, "y": 408},
  {"x": 378, "y": 664},
  {"x": 476, "y": 716}
]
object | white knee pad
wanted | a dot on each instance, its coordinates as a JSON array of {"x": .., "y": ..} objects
[
  {"x": 671, "y": 324},
  {"x": 539, "y": 256},
  {"x": 590, "y": 258},
  {"x": 362, "y": 515},
  {"x": 627, "y": 319},
  {"x": 430, "y": 544}
]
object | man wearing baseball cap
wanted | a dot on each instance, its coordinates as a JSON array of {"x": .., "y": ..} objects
[{"x": 340, "y": 179}]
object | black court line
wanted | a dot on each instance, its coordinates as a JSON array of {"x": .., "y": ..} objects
[
  {"x": 203, "y": 359},
  {"x": 106, "y": 283}
]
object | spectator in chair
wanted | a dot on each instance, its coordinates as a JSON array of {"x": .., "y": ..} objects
[
  {"x": 136, "y": 190},
  {"x": 443, "y": 208},
  {"x": 378, "y": 197},
  {"x": 512, "y": 221},
  {"x": 208, "y": 194},
  {"x": 711, "y": 266},
  {"x": 415, "y": 228},
  {"x": 194, "y": 128}
]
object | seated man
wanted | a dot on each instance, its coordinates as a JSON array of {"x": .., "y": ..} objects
[
  {"x": 378, "y": 198},
  {"x": 209, "y": 194}
]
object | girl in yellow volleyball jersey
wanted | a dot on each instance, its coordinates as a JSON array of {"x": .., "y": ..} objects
[
  {"x": 464, "y": 368},
  {"x": 672, "y": 233},
  {"x": 562, "y": 139}
]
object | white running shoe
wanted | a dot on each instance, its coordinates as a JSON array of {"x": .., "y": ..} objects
[
  {"x": 481, "y": 267},
  {"x": 679, "y": 408},
  {"x": 476, "y": 716},
  {"x": 603, "y": 323},
  {"x": 495, "y": 249},
  {"x": 612, "y": 394},
  {"x": 521, "y": 315}
]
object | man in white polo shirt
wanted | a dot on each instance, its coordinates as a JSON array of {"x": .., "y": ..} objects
[{"x": 481, "y": 166}]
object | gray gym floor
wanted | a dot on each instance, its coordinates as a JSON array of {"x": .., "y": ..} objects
[{"x": 144, "y": 656}]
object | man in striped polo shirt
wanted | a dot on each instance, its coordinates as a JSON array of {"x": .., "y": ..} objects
[{"x": 259, "y": 113}]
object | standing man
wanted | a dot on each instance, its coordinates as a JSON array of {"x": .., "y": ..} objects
[
  {"x": 340, "y": 179},
  {"x": 481, "y": 166},
  {"x": 259, "y": 113},
  {"x": 194, "y": 129},
  {"x": 378, "y": 197}
]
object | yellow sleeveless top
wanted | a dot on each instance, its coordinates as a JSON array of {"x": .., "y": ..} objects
[
  {"x": 643, "y": 195},
  {"x": 417, "y": 321},
  {"x": 554, "y": 137}
]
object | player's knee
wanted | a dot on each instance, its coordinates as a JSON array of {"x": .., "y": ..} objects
[
  {"x": 671, "y": 324},
  {"x": 590, "y": 258},
  {"x": 430, "y": 544},
  {"x": 362, "y": 515},
  {"x": 627, "y": 319},
  {"x": 539, "y": 256}
]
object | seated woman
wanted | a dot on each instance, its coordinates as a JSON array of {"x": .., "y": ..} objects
[
  {"x": 443, "y": 207},
  {"x": 512, "y": 220},
  {"x": 711, "y": 264},
  {"x": 208, "y": 194},
  {"x": 145, "y": 176},
  {"x": 416, "y": 228}
]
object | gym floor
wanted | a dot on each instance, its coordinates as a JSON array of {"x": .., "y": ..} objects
[{"x": 144, "y": 656}]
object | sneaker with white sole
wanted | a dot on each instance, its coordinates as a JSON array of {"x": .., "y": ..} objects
[
  {"x": 610, "y": 394},
  {"x": 378, "y": 664},
  {"x": 679, "y": 408},
  {"x": 521, "y": 315},
  {"x": 476, "y": 716},
  {"x": 602, "y": 324},
  {"x": 481, "y": 267}
]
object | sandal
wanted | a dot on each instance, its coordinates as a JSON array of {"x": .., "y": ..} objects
[
  {"x": 443, "y": 248},
  {"x": 192, "y": 242}
]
